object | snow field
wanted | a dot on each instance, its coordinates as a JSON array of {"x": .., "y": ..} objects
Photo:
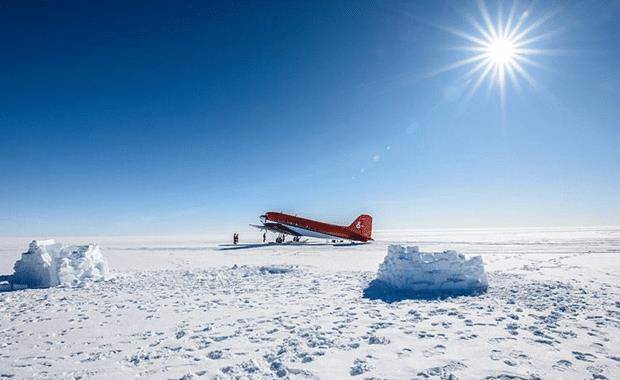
[{"x": 197, "y": 311}]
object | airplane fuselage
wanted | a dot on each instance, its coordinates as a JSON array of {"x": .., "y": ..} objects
[{"x": 359, "y": 230}]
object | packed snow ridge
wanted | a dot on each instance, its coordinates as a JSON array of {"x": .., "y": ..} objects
[
  {"x": 48, "y": 264},
  {"x": 449, "y": 272}
]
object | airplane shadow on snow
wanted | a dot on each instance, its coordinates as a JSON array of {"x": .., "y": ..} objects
[{"x": 232, "y": 247}]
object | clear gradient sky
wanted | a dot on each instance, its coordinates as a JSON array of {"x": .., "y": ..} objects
[{"x": 172, "y": 117}]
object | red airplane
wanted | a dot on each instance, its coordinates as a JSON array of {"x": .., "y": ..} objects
[{"x": 284, "y": 224}]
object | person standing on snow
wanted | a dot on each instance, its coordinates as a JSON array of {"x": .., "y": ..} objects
[{"x": 264, "y": 237}]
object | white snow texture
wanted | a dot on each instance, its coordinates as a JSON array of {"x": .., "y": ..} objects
[
  {"x": 48, "y": 264},
  {"x": 448, "y": 271}
]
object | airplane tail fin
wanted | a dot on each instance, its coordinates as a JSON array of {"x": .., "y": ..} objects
[{"x": 363, "y": 226}]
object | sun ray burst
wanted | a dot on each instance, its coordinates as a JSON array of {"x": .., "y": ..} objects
[{"x": 502, "y": 48}]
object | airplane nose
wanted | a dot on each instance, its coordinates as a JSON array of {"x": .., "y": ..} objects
[{"x": 263, "y": 218}]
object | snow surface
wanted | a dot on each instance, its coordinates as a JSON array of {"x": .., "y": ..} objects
[
  {"x": 48, "y": 263},
  {"x": 431, "y": 274},
  {"x": 189, "y": 307}
]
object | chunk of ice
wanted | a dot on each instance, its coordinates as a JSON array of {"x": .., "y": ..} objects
[
  {"x": 408, "y": 269},
  {"x": 48, "y": 263}
]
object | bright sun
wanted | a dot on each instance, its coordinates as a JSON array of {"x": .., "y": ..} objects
[
  {"x": 501, "y": 48},
  {"x": 501, "y": 51}
]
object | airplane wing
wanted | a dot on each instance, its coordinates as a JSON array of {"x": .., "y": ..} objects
[{"x": 277, "y": 228}]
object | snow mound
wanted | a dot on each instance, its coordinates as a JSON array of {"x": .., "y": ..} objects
[
  {"x": 48, "y": 264},
  {"x": 276, "y": 269},
  {"x": 434, "y": 274},
  {"x": 264, "y": 269}
]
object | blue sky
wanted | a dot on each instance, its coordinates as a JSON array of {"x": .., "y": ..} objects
[{"x": 174, "y": 117}]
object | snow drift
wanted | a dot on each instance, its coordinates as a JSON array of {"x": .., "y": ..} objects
[
  {"x": 48, "y": 263},
  {"x": 407, "y": 271}
]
